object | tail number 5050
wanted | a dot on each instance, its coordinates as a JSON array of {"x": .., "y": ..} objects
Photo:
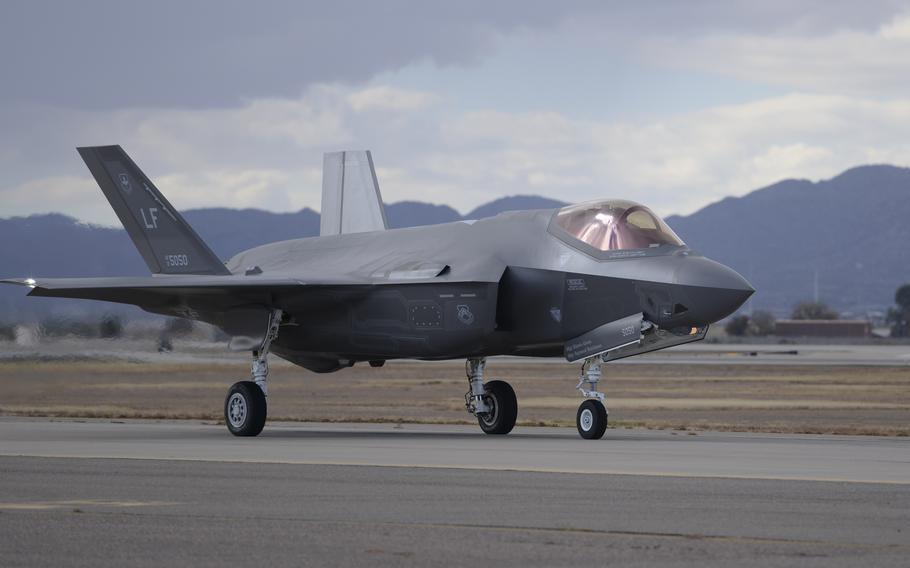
[{"x": 175, "y": 260}]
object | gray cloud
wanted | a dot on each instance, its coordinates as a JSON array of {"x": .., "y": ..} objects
[
  {"x": 230, "y": 103},
  {"x": 807, "y": 17},
  {"x": 112, "y": 54},
  {"x": 267, "y": 154}
]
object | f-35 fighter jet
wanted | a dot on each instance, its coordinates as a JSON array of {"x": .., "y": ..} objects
[{"x": 593, "y": 283}]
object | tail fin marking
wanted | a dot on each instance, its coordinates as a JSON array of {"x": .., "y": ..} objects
[{"x": 165, "y": 240}]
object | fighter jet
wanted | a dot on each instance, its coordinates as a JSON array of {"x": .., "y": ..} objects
[{"x": 593, "y": 283}]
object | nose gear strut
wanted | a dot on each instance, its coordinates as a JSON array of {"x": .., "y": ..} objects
[{"x": 591, "y": 372}]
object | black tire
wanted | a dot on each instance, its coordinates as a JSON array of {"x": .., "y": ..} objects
[
  {"x": 591, "y": 419},
  {"x": 501, "y": 419},
  {"x": 245, "y": 409}
]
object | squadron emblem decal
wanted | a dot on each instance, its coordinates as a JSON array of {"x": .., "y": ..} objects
[
  {"x": 465, "y": 315},
  {"x": 125, "y": 184}
]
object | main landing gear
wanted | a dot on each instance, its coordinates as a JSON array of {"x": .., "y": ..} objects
[
  {"x": 245, "y": 407},
  {"x": 591, "y": 418},
  {"x": 494, "y": 403}
]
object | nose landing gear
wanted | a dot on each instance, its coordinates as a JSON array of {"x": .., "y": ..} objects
[{"x": 591, "y": 418}]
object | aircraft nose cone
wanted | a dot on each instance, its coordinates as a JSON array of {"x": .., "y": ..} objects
[{"x": 716, "y": 290}]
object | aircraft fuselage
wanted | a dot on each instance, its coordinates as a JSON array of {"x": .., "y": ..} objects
[{"x": 505, "y": 285}]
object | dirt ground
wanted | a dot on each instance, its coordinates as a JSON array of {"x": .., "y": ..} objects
[{"x": 768, "y": 398}]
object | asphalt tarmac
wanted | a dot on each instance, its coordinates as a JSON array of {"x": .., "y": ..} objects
[{"x": 180, "y": 493}]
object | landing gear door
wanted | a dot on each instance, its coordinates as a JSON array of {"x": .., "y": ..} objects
[
  {"x": 247, "y": 327},
  {"x": 657, "y": 339},
  {"x": 613, "y": 335}
]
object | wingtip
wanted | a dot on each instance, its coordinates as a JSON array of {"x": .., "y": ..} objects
[{"x": 30, "y": 282}]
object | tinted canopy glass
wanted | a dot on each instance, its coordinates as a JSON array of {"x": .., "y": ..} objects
[{"x": 615, "y": 225}]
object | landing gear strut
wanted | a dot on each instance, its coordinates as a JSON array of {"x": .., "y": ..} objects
[
  {"x": 245, "y": 407},
  {"x": 494, "y": 403},
  {"x": 591, "y": 419}
]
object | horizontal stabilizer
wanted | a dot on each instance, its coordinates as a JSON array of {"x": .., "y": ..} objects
[{"x": 351, "y": 202}]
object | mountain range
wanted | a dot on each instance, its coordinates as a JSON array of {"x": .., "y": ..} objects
[{"x": 844, "y": 240}]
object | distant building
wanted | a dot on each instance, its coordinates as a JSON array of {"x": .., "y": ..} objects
[{"x": 823, "y": 328}]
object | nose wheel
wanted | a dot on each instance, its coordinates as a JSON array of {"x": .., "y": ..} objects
[{"x": 591, "y": 419}]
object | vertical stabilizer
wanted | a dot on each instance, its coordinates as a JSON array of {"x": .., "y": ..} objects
[
  {"x": 351, "y": 202},
  {"x": 165, "y": 240}
]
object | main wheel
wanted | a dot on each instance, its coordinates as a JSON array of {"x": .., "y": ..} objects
[
  {"x": 591, "y": 419},
  {"x": 504, "y": 408},
  {"x": 245, "y": 409}
]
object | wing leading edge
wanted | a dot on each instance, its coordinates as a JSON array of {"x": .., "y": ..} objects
[{"x": 154, "y": 291}]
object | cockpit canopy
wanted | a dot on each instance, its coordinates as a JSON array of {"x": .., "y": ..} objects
[{"x": 614, "y": 225}]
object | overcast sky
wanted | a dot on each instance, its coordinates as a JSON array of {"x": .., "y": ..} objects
[{"x": 674, "y": 104}]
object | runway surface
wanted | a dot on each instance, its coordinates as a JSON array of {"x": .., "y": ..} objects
[
  {"x": 185, "y": 493},
  {"x": 559, "y": 450}
]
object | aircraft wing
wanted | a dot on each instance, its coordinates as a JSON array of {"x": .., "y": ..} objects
[
  {"x": 237, "y": 304},
  {"x": 155, "y": 292}
]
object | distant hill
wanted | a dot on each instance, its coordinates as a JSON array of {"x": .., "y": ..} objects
[
  {"x": 229, "y": 231},
  {"x": 852, "y": 231},
  {"x": 414, "y": 213},
  {"x": 514, "y": 203}
]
